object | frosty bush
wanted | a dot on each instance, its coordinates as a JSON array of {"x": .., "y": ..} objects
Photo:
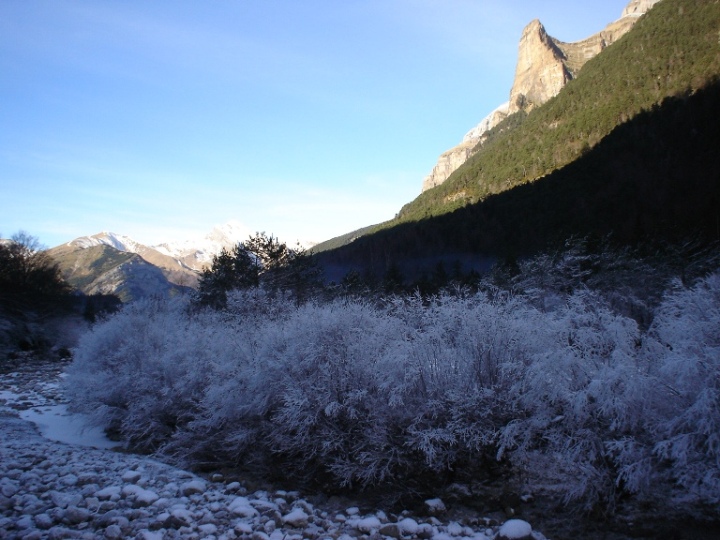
[
  {"x": 576, "y": 399},
  {"x": 143, "y": 373},
  {"x": 684, "y": 348}
]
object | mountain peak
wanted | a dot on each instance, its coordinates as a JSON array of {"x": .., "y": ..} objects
[
  {"x": 544, "y": 66},
  {"x": 197, "y": 253},
  {"x": 636, "y": 8},
  {"x": 118, "y": 241}
]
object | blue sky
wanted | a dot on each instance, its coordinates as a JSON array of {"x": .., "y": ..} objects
[{"x": 305, "y": 119}]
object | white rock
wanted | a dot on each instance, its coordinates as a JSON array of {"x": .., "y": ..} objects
[
  {"x": 111, "y": 493},
  {"x": 130, "y": 489},
  {"x": 75, "y": 515},
  {"x": 408, "y": 526},
  {"x": 233, "y": 487},
  {"x": 24, "y": 522},
  {"x": 454, "y": 529},
  {"x": 146, "y": 497},
  {"x": 63, "y": 500},
  {"x": 435, "y": 506},
  {"x": 43, "y": 521},
  {"x": 515, "y": 529},
  {"x": 182, "y": 514},
  {"x": 368, "y": 524},
  {"x": 208, "y": 529},
  {"x": 7, "y": 487},
  {"x": 131, "y": 476},
  {"x": 240, "y": 506},
  {"x": 391, "y": 529},
  {"x": 113, "y": 532},
  {"x": 263, "y": 505},
  {"x": 68, "y": 480},
  {"x": 192, "y": 487},
  {"x": 425, "y": 530},
  {"x": 162, "y": 503},
  {"x": 297, "y": 518},
  {"x": 243, "y": 528}
]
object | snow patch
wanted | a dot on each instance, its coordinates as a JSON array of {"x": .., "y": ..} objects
[{"x": 57, "y": 424}]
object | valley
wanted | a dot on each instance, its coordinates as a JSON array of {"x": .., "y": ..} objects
[{"x": 528, "y": 350}]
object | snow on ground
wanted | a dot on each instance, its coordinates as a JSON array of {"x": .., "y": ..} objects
[
  {"x": 57, "y": 424},
  {"x": 59, "y": 479}
]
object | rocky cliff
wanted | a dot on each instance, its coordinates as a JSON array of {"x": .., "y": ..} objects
[
  {"x": 456, "y": 156},
  {"x": 544, "y": 67},
  {"x": 545, "y": 64}
]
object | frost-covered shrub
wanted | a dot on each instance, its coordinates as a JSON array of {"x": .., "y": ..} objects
[
  {"x": 342, "y": 391},
  {"x": 467, "y": 353},
  {"x": 576, "y": 399},
  {"x": 142, "y": 373},
  {"x": 378, "y": 395},
  {"x": 683, "y": 347},
  {"x": 583, "y": 392}
]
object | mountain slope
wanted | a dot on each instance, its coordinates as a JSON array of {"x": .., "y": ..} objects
[
  {"x": 115, "y": 264},
  {"x": 102, "y": 269},
  {"x": 174, "y": 270},
  {"x": 672, "y": 51},
  {"x": 544, "y": 66}
]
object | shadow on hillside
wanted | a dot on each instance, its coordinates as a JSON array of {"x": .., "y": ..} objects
[{"x": 655, "y": 177}]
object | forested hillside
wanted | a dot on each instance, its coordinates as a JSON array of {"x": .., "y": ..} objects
[{"x": 628, "y": 149}]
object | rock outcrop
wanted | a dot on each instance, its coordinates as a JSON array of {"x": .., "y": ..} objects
[
  {"x": 540, "y": 72},
  {"x": 545, "y": 65},
  {"x": 449, "y": 161}
]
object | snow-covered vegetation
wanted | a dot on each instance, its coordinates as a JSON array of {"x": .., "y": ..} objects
[{"x": 548, "y": 382}]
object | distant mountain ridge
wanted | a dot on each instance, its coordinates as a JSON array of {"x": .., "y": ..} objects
[
  {"x": 111, "y": 263},
  {"x": 544, "y": 66},
  {"x": 198, "y": 253}
]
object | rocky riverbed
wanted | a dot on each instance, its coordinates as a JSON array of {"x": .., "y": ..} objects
[{"x": 52, "y": 489}]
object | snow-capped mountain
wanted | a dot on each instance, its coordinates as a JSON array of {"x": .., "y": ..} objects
[
  {"x": 110, "y": 263},
  {"x": 118, "y": 241},
  {"x": 198, "y": 253}
]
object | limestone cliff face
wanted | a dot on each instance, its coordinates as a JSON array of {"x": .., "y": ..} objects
[
  {"x": 540, "y": 72},
  {"x": 450, "y": 160},
  {"x": 546, "y": 64},
  {"x": 638, "y": 7},
  {"x": 544, "y": 67}
]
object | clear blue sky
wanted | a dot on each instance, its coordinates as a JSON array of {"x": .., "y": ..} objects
[{"x": 305, "y": 119}]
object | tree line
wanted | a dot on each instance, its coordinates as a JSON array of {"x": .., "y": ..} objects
[{"x": 260, "y": 261}]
